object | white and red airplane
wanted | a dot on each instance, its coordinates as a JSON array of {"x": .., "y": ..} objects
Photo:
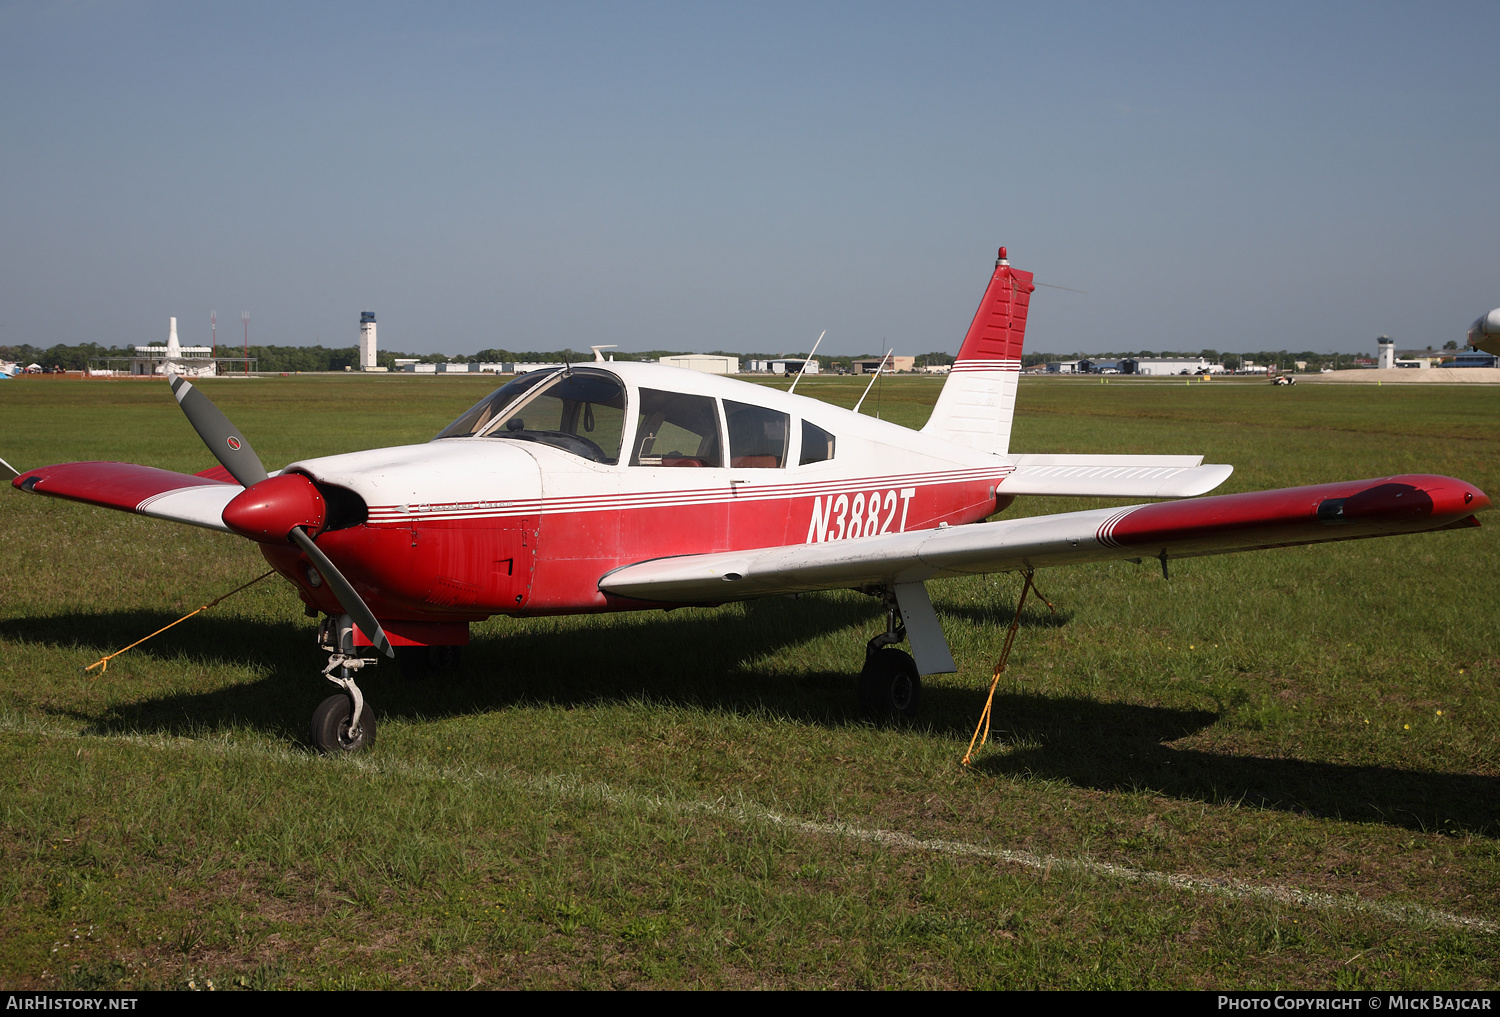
[{"x": 626, "y": 486}]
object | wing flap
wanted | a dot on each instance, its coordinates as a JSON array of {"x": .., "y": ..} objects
[
  {"x": 160, "y": 494},
  {"x": 1219, "y": 525},
  {"x": 1114, "y": 476}
]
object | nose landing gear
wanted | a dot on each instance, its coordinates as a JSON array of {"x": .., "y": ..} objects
[
  {"x": 343, "y": 722},
  {"x": 334, "y": 729}
]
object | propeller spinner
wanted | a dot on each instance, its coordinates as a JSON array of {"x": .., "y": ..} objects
[{"x": 273, "y": 509}]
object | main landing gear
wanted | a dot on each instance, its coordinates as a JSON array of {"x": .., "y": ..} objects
[
  {"x": 343, "y": 722},
  {"x": 890, "y": 689}
]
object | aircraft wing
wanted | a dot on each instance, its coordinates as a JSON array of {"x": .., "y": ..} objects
[
  {"x": 1114, "y": 476},
  {"x": 1223, "y": 524},
  {"x": 161, "y": 494}
]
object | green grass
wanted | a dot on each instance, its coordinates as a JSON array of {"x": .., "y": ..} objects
[{"x": 691, "y": 798}]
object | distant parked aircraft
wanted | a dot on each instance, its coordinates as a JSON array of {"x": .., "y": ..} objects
[{"x": 1484, "y": 334}]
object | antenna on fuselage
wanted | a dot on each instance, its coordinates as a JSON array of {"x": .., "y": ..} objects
[
  {"x": 883, "y": 361},
  {"x": 598, "y": 356},
  {"x": 804, "y": 363}
]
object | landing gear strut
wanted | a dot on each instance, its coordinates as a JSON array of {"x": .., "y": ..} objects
[
  {"x": 343, "y": 722},
  {"x": 890, "y": 689}
]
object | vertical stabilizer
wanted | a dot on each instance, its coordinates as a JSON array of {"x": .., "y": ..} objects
[{"x": 979, "y": 397}]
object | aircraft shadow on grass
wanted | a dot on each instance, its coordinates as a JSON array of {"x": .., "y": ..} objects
[
  {"x": 1122, "y": 747},
  {"x": 716, "y": 660}
]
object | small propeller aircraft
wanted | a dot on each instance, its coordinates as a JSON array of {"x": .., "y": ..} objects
[
  {"x": 1484, "y": 334},
  {"x": 626, "y": 486}
]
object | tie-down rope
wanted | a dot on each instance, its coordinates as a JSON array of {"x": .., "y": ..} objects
[
  {"x": 1010, "y": 640},
  {"x": 103, "y": 662}
]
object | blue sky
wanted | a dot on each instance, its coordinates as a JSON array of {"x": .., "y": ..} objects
[{"x": 703, "y": 176}]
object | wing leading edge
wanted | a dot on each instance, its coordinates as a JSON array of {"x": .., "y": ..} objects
[
  {"x": 160, "y": 494},
  {"x": 1223, "y": 524}
]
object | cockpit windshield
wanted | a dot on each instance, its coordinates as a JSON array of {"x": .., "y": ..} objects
[{"x": 579, "y": 410}]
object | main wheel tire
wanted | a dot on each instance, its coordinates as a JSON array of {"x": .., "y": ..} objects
[
  {"x": 890, "y": 689},
  {"x": 330, "y": 731}
]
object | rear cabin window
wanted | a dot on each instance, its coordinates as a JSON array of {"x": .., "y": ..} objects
[
  {"x": 817, "y": 444},
  {"x": 674, "y": 429},
  {"x": 757, "y": 436}
]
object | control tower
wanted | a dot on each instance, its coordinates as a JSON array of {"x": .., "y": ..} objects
[
  {"x": 1385, "y": 357},
  {"x": 367, "y": 341}
]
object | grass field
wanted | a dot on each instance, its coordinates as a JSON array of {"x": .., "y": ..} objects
[{"x": 1275, "y": 769}]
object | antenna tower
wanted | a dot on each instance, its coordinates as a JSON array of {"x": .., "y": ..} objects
[{"x": 245, "y": 317}]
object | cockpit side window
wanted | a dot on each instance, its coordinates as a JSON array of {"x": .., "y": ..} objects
[
  {"x": 817, "y": 444},
  {"x": 581, "y": 410},
  {"x": 757, "y": 435},
  {"x": 674, "y": 429}
]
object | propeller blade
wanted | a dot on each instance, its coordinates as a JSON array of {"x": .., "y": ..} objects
[
  {"x": 353, "y": 605},
  {"x": 223, "y": 439}
]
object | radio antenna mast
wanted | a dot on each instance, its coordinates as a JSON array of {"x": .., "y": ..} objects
[
  {"x": 804, "y": 363},
  {"x": 884, "y": 360}
]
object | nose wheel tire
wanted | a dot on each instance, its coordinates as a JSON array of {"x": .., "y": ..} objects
[
  {"x": 890, "y": 689},
  {"x": 331, "y": 732}
]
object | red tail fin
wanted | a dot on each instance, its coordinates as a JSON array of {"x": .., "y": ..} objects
[
  {"x": 979, "y": 397},
  {"x": 999, "y": 328}
]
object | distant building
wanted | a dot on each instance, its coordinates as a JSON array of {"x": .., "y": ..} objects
[
  {"x": 174, "y": 358},
  {"x": 708, "y": 363},
  {"x": 191, "y": 361},
  {"x": 893, "y": 365},
  {"x": 781, "y": 366},
  {"x": 1474, "y": 358},
  {"x": 1168, "y": 366},
  {"x": 1097, "y": 367}
]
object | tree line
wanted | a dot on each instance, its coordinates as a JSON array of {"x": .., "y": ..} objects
[{"x": 337, "y": 358}]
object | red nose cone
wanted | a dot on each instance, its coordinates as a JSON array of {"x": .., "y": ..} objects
[{"x": 266, "y": 512}]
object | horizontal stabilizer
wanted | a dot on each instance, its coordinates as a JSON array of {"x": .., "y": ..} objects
[
  {"x": 1221, "y": 524},
  {"x": 1114, "y": 476},
  {"x": 160, "y": 494}
]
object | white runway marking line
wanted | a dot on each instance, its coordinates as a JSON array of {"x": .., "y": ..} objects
[{"x": 571, "y": 786}]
